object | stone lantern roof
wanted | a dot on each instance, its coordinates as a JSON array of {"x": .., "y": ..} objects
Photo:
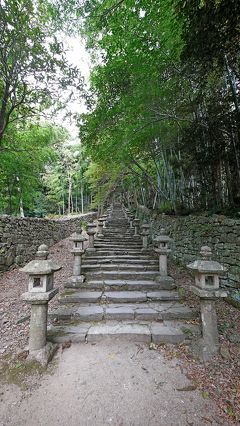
[
  {"x": 77, "y": 237},
  {"x": 41, "y": 265},
  {"x": 162, "y": 237},
  {"x": 206, "y": 265}
]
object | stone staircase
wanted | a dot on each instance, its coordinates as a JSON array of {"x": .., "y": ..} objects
[{"x": 120, "y": 296}]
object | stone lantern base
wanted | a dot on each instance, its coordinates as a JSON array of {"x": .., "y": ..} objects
[
  {"x": 44, "y": 355},
  {"x": 167, "y": 281},
  {"x": 208, "y": 344},
  {"x": 39, "y": 349},
  {"x": 77, "y": 280}
]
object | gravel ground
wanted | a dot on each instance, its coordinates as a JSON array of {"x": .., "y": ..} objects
[{"x": 109, "y": 383}]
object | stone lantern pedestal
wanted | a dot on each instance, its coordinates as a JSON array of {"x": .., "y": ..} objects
[
  {"x": 78, "y": 250},
  {"x": 40, "y": 292},
  {"x": 206, "y": 287},
  {"x": 163, "y": 250},
  {"x": 91, "y": 231},
  {"x": 136, "y": 224},
  {"x": 145, "y": 235}
]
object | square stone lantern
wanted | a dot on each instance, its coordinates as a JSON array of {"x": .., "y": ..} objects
[
  {"x": 77, "y": 251},
  {"x": 163, "y": 250},
  {"x": 104, "y": 217},
  {"x": 40, "y": 292},
  {"x": 100, "y": 227},
  {"x": 91, "y": 231},
  {"x": 40, "y": 271},
  {"x": 206, "y": 273},
  {"x": 136, "y": 224},
  {"x": 145, "y": 232}
]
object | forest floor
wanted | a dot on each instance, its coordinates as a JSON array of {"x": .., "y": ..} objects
[{"x": 216, "y": 382}]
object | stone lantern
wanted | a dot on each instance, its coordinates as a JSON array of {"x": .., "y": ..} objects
[
  {"x": 131, "y": 219},
  {"x": 126, "y": 212},
  {"x": 40, "y": 292},
  {"x": 136, "y": 223},
  {"x": 206, "y": 273},
  {"x": 91, "y": 231},
  {"x": 77, "y": 251},
  {"x": 145, "y": 234},
  {"x": 100, "y": 227},
  {"x": 104, "y": 217},
  {"x": 163, "y": 250}
]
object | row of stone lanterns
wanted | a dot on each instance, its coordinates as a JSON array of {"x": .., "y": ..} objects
[
  {"x": 207, "y": 284},
  {"x": 134, "y": 223},
  {"x": 41, "y": 288}
]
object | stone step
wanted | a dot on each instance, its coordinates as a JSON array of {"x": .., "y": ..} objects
[
  {"x": 150, "y": 311},
  {"x": 132, "y": 246},
  {"x": 131, "y": 257},
  {"x": 118, "y": 260},
  {"x": 86, "y": 267},
  {"x": 156, "y": 332},
  {"x": 166, "y": 283},
  {"x": 124, "y": 275},
  {"x": 117, "y": 296},
  {"x": 113, "y": 251}
]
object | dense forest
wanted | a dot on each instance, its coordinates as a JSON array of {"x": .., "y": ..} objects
[{"x": 162, "y": 120}]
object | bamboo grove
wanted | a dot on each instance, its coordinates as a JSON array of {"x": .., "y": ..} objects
[{"x": 163, "y": 120}]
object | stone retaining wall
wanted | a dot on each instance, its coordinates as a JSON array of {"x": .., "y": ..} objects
[
  {"x": 189, "y": 233},
  {"x": 20, "y": 237}
]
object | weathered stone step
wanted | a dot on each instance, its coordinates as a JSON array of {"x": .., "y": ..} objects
[
  {"x": 95, "y": 256},
  {"x": 130, "y": 285},
  {"x": 124, "y": 275},
  {"x": 117, "y": 296},
  {"x": 118, "y": 260},
  {"x": 117, "y": 252},
  {"x": 121, "y": 246},
  {"x": 147, "y": 332},
  {"x": 150, "y": 311},
  {"x": 86, "y": 267}
]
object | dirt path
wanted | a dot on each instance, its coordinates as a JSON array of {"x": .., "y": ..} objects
[{"x": 115, "y": 383}]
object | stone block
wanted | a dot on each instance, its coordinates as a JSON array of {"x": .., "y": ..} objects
[{"x": 165, "y": 334}]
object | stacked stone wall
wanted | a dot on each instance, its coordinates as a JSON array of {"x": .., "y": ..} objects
[
  {"x": 20, "y": 237},
  {"x": 189, "y": 233}
]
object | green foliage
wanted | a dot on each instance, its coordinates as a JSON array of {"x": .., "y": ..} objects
[
  {"x": 26, "y": 154},
  {"x": 34, "y": 72},
  {"x": 164, "y": 102}
]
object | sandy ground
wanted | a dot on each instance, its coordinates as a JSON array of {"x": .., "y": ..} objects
[{"x": 109, "y": 383}]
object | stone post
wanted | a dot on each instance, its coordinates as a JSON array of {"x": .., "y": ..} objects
[
  {"x": 40, "y": 292},
  {"x": 100, "y": 227},
  {"x": 136, "y": 223},
  {"x": 145, "y": 235},
  {"x": 91, "y": 231},
  {"x": 207, "y": 272},
  {"x": 78, "y": 250}
]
